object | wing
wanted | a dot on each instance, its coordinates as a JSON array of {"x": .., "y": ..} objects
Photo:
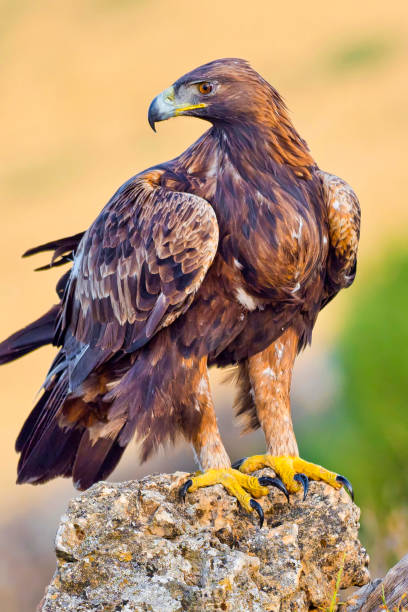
[
  {"x": 344, "y": 233},
  {"x": 64, "y": 250},
  {"x": 139, "y": 265}
]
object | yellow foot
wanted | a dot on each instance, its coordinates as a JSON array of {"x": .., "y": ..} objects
[
  {"x": 294, "y": 472},
  {"x": 241, "y": 486}
]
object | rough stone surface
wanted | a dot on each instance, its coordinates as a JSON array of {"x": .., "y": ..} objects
[{"x": 135, "y": 546}]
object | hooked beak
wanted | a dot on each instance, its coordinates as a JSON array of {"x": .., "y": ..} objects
[{"x": 164, "y": 106}]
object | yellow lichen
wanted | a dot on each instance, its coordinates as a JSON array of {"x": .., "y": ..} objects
[{"x": 226, "y": 583}]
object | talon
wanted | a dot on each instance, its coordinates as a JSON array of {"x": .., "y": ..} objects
[
  {"x": 346, "y": 484},
  {"x": 254, "y": 504},
  {"x": 304, "y": 481},
  {"x": 184, "y": 488},
  {"x": 266, "y": 481},
  {"x": 290, "y": 471},
  {"x": 237, "y": 464}
]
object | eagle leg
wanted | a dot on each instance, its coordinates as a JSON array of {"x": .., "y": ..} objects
[
  {"x": 241, "y": 486},
  {"x": 213, "y": 459},
  {"x": 294, "y": 472}
]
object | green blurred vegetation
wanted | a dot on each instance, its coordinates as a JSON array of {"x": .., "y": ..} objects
[
  {"x": 364, "y": 434},
  {"x": 356, "y": 54}
]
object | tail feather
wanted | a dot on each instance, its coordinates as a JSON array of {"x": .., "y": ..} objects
[
  {"x": 31, "y": 423},
  {"x": 89, "y": 460},
  {"x": 41, "y": 441},
  {"x": 37, "y": 334},
  {"x": 52, "y": 444},
  {"x": 111, "y": 460},
  {"x": 60, "y": 438},
  {"x": 52, "y": 456}
]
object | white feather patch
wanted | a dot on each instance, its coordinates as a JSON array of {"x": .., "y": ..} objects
[{"x": 245, "y": 299}]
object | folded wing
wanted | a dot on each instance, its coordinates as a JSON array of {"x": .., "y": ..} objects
[
  {"x": 138, "y": 266},
  {"x": 344, "y": 232}
]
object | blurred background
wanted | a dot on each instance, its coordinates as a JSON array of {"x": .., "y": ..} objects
[{"x": 76, "y": 81}]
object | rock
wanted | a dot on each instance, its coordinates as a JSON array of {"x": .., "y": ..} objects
[{"x": 135, "y": 546}]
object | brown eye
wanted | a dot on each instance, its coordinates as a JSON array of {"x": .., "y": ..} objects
[{"x": 205, "y": 88}]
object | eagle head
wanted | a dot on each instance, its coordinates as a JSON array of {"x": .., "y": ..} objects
[{"x": 222, "y": 91}]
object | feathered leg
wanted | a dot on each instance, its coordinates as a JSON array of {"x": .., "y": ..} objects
[
  {"x": 270, "y": 376},
  {"x": 207, "y": 443},
  {"x": 265, "y": 397},
  {"x": 213, "y": 457}
]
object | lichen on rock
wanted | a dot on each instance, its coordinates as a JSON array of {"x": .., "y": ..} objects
[{"x": 136, "y": 546}]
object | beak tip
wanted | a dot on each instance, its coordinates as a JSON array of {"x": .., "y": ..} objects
[
  {"x": 161, "y": 108},
  {"x": 152, "y": 114}
]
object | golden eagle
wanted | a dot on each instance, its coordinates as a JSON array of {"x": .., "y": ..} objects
[{"x": 223, "y": 255}]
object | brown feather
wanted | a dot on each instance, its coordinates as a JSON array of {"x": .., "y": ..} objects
[{"x": 222, "y": 255}]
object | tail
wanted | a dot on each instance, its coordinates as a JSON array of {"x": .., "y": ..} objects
[
  {"x": 37, "y": 334},
  {"x": 64, "y": 437}
]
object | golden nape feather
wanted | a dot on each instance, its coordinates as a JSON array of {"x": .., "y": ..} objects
[{"x": 223, "y": 255}]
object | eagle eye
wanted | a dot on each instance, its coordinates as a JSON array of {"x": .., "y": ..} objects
[{"x": 205, "y": 88}]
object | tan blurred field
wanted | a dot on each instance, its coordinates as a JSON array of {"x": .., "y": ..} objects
[{"x": 76, "y": 81}]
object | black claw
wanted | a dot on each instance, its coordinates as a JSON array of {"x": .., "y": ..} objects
[
  {"x": 254, "y": 504},
  {"x": 347, "y": 485},
  {"x": 304, "y": 481},
  {"x": 184, "y": 488},
  {"x": 237, "y": 464},
  {"x": 267, "y": 481}
]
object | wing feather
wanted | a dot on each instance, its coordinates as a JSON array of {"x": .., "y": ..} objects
[
  {"x": 344, "y": 232},
  {"x": 139, "y": 265}
]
